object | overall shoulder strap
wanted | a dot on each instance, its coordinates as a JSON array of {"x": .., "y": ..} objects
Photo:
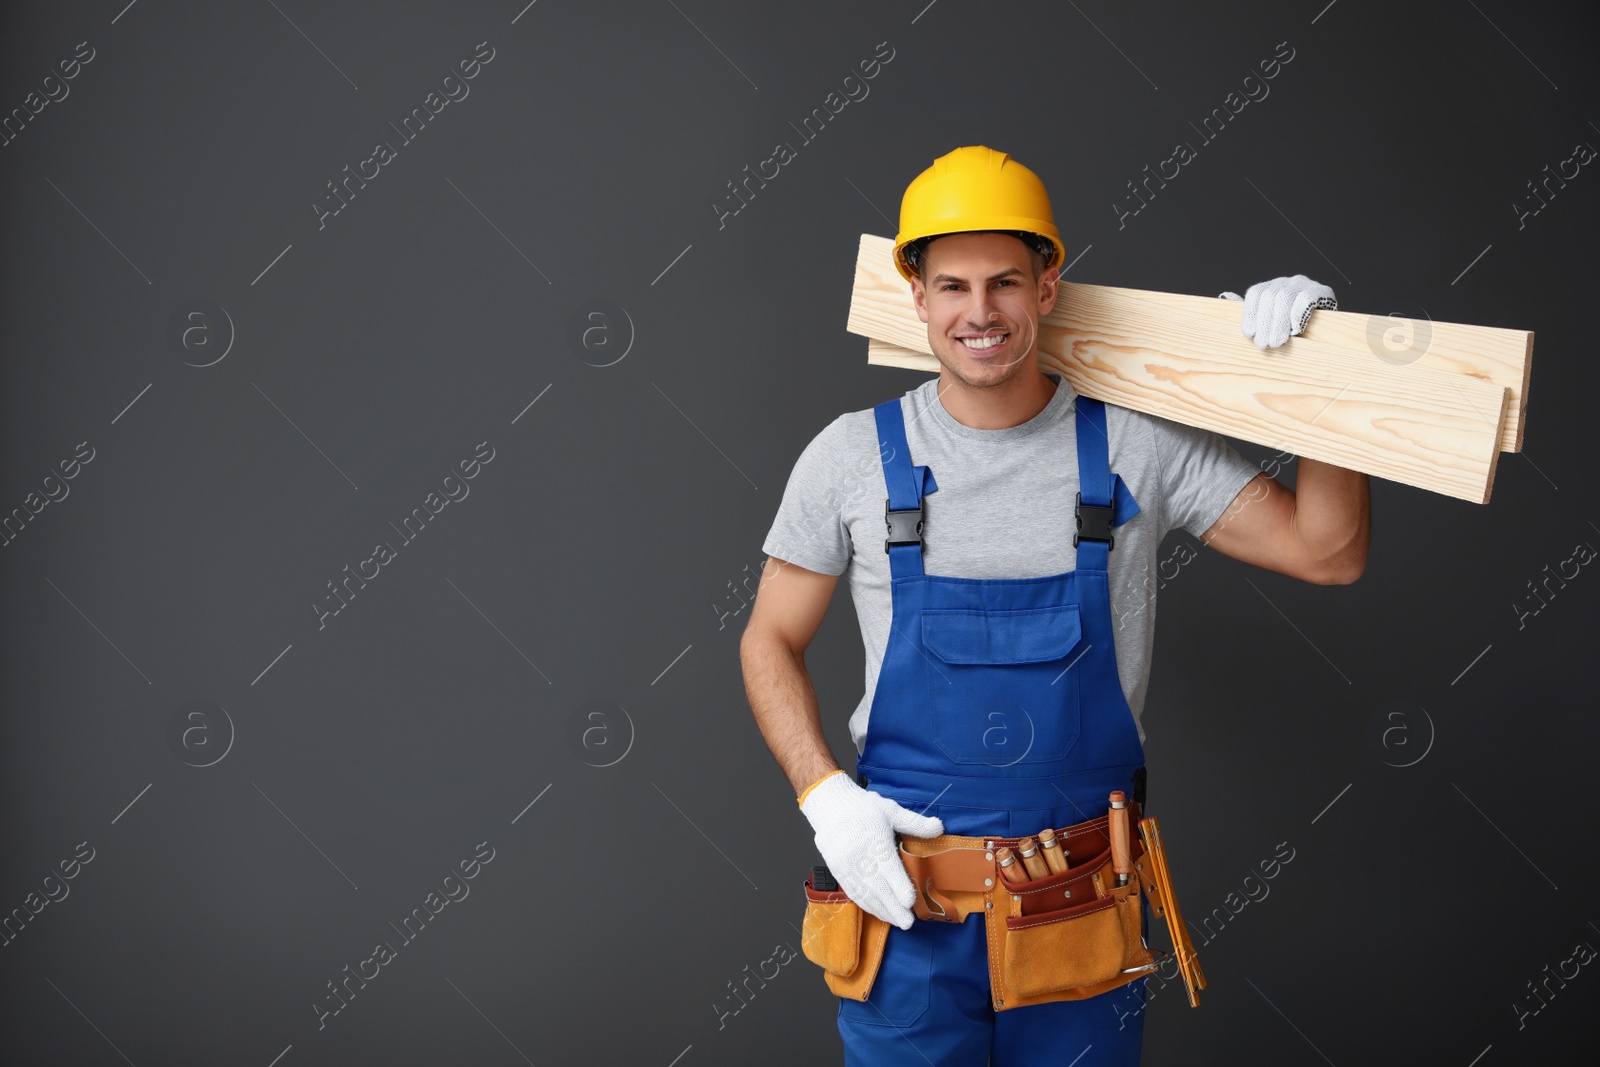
[
  {"x": 1103, "y": 500},
  {"x": 906, "y": 484}
]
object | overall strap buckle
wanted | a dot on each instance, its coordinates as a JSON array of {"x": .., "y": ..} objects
[
  {"x": 904, "y": 525},
  {"x": 1094, "y": 522}
]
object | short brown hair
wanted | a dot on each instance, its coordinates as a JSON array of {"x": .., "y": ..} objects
[{"x": 1040, "y": 250}]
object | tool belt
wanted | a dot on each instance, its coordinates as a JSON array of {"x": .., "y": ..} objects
[{"x": 1068, "y": 936}]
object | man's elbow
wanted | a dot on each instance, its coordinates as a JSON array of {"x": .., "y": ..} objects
[
  {"x": 1345, "y": 576},
  {"x": 1343, "y": 569},
  {"x": 760, "y": 640},
  {"x": 751, "y": 642}
]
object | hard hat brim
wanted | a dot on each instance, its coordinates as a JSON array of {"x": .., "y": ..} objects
[{"x": 982, "y": 224}]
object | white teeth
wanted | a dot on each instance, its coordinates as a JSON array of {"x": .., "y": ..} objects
[{"x": 983, "y": 342}]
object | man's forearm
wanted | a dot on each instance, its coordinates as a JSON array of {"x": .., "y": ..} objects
[
  {"x": 1333, "y": 515},
  {"x": 785, "y": 706}
]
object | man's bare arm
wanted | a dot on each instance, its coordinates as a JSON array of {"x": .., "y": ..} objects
[
  {"x": 1318, "y": 531},
  {"x": 789, "y": 607}
]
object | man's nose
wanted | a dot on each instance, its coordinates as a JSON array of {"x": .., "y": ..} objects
[{"x": 981, "y": 315}]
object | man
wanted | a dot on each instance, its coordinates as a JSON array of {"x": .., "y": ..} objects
[{"x": 997, "y": 702}]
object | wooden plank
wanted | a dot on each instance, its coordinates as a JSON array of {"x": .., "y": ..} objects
[
  {"x": 1438, "y": 422},
  {"x": 1485, "y": 353},
  {"x": 881, "y": 309},
  {"x": 1449, "y": 448}
]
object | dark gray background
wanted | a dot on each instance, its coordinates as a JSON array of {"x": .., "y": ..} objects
[{"x": 597, "y": 555}]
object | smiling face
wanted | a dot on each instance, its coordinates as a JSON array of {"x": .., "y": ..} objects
[{"x": 981, "y": 300}]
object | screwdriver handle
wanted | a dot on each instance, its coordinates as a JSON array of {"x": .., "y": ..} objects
[{"x": 1121, "y": 858}]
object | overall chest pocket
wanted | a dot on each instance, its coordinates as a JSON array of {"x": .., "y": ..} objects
[{"x": 998, "y": 685}]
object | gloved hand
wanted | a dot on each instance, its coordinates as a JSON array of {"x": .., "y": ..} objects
[
  {"x": 855, "y": 834},
  {"x": 1276, "y": 310}
]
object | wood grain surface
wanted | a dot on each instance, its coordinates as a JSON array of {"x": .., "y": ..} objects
[{"x": 1428, "y": 404}]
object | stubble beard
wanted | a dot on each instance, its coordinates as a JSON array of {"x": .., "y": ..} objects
[{"x": 953, "y": 363}]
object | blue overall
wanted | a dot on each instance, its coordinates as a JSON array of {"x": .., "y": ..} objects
[{"x": 998, "y": 709}]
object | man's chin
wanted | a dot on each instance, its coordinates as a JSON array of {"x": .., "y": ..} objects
[{"x": 980, "y": 374}]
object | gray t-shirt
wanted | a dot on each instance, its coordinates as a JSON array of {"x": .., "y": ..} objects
[{"x": 1003, "y": 509}]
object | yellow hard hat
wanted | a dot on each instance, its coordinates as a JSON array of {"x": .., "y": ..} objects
[{"x": 975, "y": 188}]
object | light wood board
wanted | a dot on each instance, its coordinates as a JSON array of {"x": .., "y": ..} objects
[{"x": 1438, "y": 422}]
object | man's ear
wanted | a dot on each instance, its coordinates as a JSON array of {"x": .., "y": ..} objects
[
  {"x": 1049, "y": 290},
  {"x": 919, "y": 297}
]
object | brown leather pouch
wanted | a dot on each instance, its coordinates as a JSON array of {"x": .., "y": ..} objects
[
  {"x": 844, "y": 940},
  {"x": 1066, "y": 936},
  {"x": 1059, "y": 940}
]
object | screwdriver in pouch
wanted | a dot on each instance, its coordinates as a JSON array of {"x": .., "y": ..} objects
[
  {"x": 1028, "y": 852},
  {"x": 1010, "y": 869},
  {"x": 1118, "y": 819},
  {"x": 1055, "y": 856}
]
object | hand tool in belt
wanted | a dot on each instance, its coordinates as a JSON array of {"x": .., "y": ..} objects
[
  {"x": 1157, "y": 878},
  {"x": 1118, "y": 816},
  {"x": 1010, "y": 869},
  {"x": 1032, "y": 862},
  {"x": 1051, "y": 851}
]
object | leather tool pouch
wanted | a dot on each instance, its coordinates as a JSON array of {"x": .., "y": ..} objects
[
  {"x": 1059, "y": 938},
  {"x": 844, "y": 940},
  {"x": 1066, "y": 936}
]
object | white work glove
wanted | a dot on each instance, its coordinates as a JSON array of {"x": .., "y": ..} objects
[
  {"x": 1276, "y": 310},
  {"x": 855, "y": 834}
]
